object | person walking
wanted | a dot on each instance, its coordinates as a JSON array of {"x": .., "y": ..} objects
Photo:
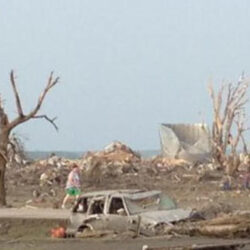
[{"x": 73, "y": 185}]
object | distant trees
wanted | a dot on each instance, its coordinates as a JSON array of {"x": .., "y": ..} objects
[
  {"x": 7, "y": 126},
  {"x": 229, "y": 122}
]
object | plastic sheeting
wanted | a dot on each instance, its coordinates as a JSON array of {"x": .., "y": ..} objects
[{"x": 185, "y": 141}]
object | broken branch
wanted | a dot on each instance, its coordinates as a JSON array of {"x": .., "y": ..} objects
[
  {"x": 52, "y": 121},
  {"x": 18, "y": 102}
]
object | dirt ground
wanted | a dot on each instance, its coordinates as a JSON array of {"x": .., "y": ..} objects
[
  {"x": 34, "y": 234},
  {"x": 186, "y": 187},
  {"x": 135, "y": 244}
]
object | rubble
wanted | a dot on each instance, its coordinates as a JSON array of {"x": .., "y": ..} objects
[
  {"x": 230, "y": 225},
  {"x": 114, "y": 160},
  {"x": 168, "y": 164},
  {"x": 212, "y": 210},
  {"x": 48, "y": 176},
  {"x": 186, "y": 141},
  {"x": 212, "y": 246},
  {"x": 45, "y": 179}
]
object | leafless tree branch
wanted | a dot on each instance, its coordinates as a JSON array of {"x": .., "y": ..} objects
[
  {"x": 52, "y": 121},
  {"x": 6, "y": 126},
  {"x": 18, "y": 102},
  {"x": 32, "y": 114}
]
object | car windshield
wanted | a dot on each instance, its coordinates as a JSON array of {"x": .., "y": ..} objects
[{"x": 150, "y": 202}]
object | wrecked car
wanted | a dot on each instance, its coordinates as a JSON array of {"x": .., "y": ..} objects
[{"x": 124, "y": 210}]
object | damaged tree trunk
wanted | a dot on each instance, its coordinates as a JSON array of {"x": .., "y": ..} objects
[
  {"x": 7, "y": 126},
  {"x": 4, "y": 137},
  {"x": 2, "y": 183},
  {"x": 228, "y": 123}
]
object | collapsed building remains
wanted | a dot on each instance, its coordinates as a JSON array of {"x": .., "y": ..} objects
[{"x": 190, "y": 142}]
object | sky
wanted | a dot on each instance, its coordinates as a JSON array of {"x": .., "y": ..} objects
[{"x": 125, "y": 66}]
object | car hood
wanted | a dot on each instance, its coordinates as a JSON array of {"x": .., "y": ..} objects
[{"x": 165, "y": 216}]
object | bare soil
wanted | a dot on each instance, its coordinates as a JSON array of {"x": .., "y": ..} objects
[
  {"x": 111, "y": 244},
  {"x": 186, "y": 187}
]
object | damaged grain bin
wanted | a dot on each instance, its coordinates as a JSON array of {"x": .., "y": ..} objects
[{"x": 190, "y": 142}]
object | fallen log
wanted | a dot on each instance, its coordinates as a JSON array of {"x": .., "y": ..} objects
[
  {"x": 225, "y": 226},
  {"x": 223, "y": 230},
  {"x": 225, "y": 246}
]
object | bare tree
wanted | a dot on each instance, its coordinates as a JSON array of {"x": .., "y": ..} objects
[
  {"x": 229, "y": 123},
  {"x": 6, "y": 126}
]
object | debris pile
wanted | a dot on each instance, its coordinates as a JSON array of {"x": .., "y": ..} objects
[
  {"x": 115, "y": 159},
  {"x": 42, "y": 172},
  {"x": 15, "y": 152},
  {"x": 167, "y": 164},
  {"x": 244, "y": 162},
  {"x": 230, "y": 225},
  {"x": 214, "y": 209},
  {"x": 46, "y": 178}
]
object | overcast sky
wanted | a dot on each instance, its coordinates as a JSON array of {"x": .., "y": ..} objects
[{"x": 125, "y": 67}]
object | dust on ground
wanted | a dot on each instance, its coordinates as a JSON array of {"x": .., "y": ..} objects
[
  {"x": 197, "y": 186},
  {"x": 110, "y": 244}
]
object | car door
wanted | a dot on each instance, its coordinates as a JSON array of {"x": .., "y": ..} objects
[{"x": 116, "y": 218}]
